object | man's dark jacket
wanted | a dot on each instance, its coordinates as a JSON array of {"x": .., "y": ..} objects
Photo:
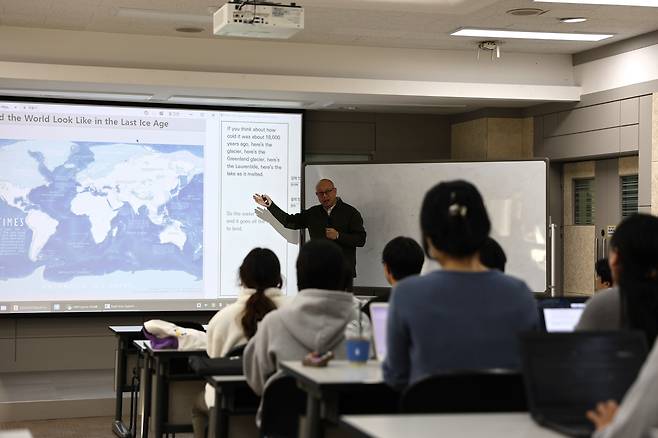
[{"x": 343, "y": 218}]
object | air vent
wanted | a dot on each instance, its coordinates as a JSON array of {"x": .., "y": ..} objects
[{"x": 526, "y": 12}]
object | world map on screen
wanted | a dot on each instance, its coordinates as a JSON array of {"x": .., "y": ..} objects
[{"x": 75, "y": 209}]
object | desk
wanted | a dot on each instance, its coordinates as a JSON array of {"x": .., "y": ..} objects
[
  {"x": 516, "y": 425},
  {"x": 228, "y": 401},
  {"x": 125, "y": 334},
  {"x": 324, "y": 385},
  {"x": 155, "y": 364}
]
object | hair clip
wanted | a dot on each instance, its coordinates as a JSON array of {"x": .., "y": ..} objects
[{"x": 457, "y": 210}]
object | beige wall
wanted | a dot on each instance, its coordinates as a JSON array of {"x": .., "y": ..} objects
[
  {"x": 492, "y": 138},
  {"x": 579, "y": 251},
  {"x": 629, "y": 165}
]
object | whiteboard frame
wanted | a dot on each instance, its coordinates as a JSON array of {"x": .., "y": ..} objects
[{"x": 377, "y": 289}]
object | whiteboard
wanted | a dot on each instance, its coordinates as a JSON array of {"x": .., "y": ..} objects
[{"x": 389, "y": 197}]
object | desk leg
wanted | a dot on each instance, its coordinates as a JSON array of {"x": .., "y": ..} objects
[
  {"x": 160, "y": 393},
  {"x": 217, "y": 418},
  {"x": 313, "y": 425},
  {"x": 146, "y": 396},
  {"x": 120, "y": 378}
]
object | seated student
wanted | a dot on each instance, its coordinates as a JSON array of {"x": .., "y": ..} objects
[
  {"x": 260, "y": 278},
  {"x": 492, "y": 255},
  {"x": 638, "y": 413},
  {"x": 402, "y": 257},
  {"x": 313, "y": 321},
  {"x": 463, "y": 316},
  {"x": 603, "y": 278},
  {"x": 633, "y": 261}
]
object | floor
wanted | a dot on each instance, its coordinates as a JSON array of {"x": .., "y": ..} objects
[{"x": 94, "y": 427}]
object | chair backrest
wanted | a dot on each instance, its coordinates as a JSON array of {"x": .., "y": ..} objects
[
  {"x": 466, "y": 391},
  {"x": 283, "y": 403},
  {"x": 236, "y": 351}
]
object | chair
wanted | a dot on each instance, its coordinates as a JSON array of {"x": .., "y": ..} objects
[
  {"x": 493, "y": 390},
  {"x": 283, "y": 403}
]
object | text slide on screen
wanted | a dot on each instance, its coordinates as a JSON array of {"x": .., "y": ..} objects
[{"x": 139, "y": 208}]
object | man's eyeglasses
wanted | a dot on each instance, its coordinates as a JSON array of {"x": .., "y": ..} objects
[{"x": 325, "y": 193}]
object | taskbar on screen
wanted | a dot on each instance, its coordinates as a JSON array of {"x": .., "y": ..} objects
[{"x": 114, "y": 306}]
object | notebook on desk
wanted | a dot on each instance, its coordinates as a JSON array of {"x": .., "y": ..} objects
[
  {"x": 379, "y": 316},
  {"x": 567, "y": 374}
]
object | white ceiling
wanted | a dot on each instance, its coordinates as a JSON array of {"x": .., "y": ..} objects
[{"x": 422, "y": 24}]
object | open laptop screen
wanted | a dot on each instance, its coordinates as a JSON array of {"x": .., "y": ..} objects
[
  {"x": 379, "y": 316},
  {"x": 561, "y": 319}
]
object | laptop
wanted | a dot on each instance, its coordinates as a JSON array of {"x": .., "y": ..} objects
[
  {"x": 379, "y": 317},
  {"x": 561, "y": 319},
  {"x": 566, "y": 374}
]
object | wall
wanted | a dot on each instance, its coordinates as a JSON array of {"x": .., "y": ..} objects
[
  {"x": 492, "y": 138},
  {"x": 633, "y": 67},
  {"x": 385, "y": 137}
]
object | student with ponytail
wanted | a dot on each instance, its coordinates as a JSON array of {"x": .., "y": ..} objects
[
  {"x": 463, "y": 316},
  {"x": 633, "y": 302},
  {"x": 631, "y": 305},
  {"x": 233, "y": 326}
]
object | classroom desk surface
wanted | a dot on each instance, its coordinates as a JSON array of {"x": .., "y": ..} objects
[
  {"x": 323, "y": 386},
  {"x": 338, "y": 372},
  {"x": 513, "y": 425}
]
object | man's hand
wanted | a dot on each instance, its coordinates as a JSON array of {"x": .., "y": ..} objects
[
  {"x": 262, "y": 200},
  {"x": 331, "y": 233},
  {"x": 603, "y": 415}
]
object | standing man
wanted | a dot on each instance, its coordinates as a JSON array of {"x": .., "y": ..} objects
[{"x": 333, "y": 219}]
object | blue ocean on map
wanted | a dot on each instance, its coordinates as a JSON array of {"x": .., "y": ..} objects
[{"x": 79, "y": 209}]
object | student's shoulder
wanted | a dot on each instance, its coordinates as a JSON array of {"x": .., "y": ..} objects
[
  {"x": 605, "y": 298},
  {"x": 509, "y": 282},
  {"x": 416, "y": 283}
]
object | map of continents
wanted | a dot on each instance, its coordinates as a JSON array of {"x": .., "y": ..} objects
[{"x": 75, "y": 209}]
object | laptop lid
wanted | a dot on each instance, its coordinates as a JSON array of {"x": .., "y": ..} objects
[
  {"x": 379, "y": 316},
  {"x": 561, "y": 319},
  {"x": 568, "y": 373}
]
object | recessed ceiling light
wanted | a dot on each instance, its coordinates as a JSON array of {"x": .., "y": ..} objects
[
  {"x": 573, "y": 20},
  {"x": 188, "y": 29},
  {"x": 526, "y": 12},
  {"x": 647, "y": 3},
  {"x": 562, "y": 36}
]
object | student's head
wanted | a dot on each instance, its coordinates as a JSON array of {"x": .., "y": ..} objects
[
  {"x": 454, "y": 221},
  {"x": 633, "y": 261},
  {"x": 260, "y": 270},
  {"x": 492, "y": 255},
  {"x": 603, "y": 275},
  {"x": 402, "y": 257},
  {"x": 326, "y": 193},
  {"x": 321, "y": 265}
]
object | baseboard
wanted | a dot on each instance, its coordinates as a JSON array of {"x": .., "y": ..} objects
[{"x": 54, "y": 409}]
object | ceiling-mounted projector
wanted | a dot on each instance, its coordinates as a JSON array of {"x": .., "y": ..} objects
[{"x": 249, "y": 19}]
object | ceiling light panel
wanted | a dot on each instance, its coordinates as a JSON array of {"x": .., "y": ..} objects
[
  {"x": 645, "y": 3},
  {"x": 527, "y": 35}
]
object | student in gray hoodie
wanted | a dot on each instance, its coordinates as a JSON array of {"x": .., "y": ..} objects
[{"x": 313, "y": 321}]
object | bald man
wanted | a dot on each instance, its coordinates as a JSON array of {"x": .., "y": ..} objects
[{"x": 332, "y": 219}]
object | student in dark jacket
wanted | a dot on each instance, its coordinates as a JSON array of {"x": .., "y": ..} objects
[
  {"x": 463, "y": 316},
  {"x": 332, "y": 219}
]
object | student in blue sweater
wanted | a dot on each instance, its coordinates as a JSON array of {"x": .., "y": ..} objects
[{"x": 463, "y": 316}]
